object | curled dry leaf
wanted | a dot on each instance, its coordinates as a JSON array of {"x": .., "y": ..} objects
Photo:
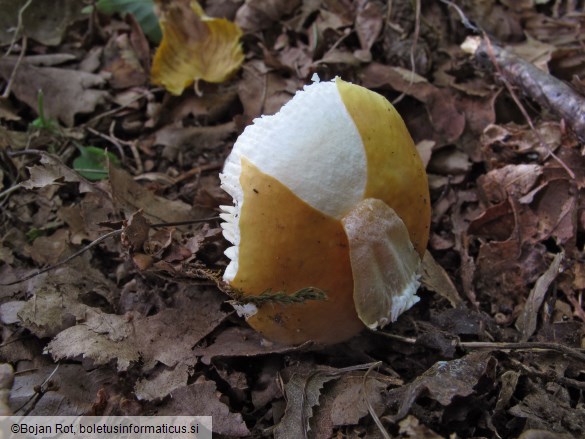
[{"x": 194, "y": 47}]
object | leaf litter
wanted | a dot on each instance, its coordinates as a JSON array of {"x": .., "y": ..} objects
[{"x": 137, "y": 325}]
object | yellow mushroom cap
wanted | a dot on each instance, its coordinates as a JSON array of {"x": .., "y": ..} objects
[{"x": 328, "y": 193}]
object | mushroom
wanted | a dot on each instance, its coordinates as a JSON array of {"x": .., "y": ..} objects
[{"x": 328, "y": 193}]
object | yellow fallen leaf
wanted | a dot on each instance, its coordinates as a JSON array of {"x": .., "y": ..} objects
[{"x": 194, "y": 47}]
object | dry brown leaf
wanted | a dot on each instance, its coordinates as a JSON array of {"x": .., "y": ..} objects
[
  {"x": 435, "y": 278},
  {"x": 526, "y": 322},
  {"x": 48, "y": 250},
  {"x": 239, "y": 342},
  {"x": 44, "y": 20},
  {"x": 255, "y": 15},
  {"x": 72, "y": 392},
  {"x": 349, "y": 402},
  {"x": 52, "y": 172},
  {"x": 164, "y": 382},
  {"x": 166, "y": 337},
  {"x": 444, "y": 381},
  {"x": 411, "y": 427},
  {"x": 202, "y": 397},
  {"x": 6, "y": 381},
  {"x": 194, "y": 47},
  {"x": 510, "y": 180},
  {"x": 66, "y": 92},
  {"x": 369, "y": 22},
  {"x": 131, "y": 196},
  {"x": 302, "y": 395}
]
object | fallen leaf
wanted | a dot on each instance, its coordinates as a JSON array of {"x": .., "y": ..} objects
[
  {"x": 166, "y": 337},
  {"x": 202, "y": 397},
  {"x": 349, "y": 399},
  {"x": 71, "y": 389},
  {"x": 509, "y": 180},
  {"x": 239, "y": 342},
  {"x": 302, "y": 393},
  {"x": 369, "y": 22},
  {"x": 45, "y": 21},
  {"x": 435, "y": 278},
  {"x": 67, "y": 92},
  {"x": 255, "y": 15},
  {"x": 194, "y": 47},
  {"x": 549, "y": 411},
  {"x": 142, "y": 10},
  {"x": 411, "y": 427},
  {"x": 164, "y": 382},
  {"x": 443, "y": 382},
  {"x": 131, "y": 196},
  {"x": 526, "y": 322}
]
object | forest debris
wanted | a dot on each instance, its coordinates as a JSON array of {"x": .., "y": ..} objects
[
  {"x": 349, "y": 405},
  {"x": 443, "y": 382},
  {"x": 543, "y": 88},
  {"x": 131, "y": 196},
  {"x": 412, "y": 427},
  {"x": 202, "y": 397},
  {"x": 508, "y": 181},
  {"x": 54, "y": 171},
  {"x": 66, "y": 92},
  {"x": 70, "y": 390},
  {"x": 502, "y": 143},
  {"x": 122, "y": 61},
  {"x": 166, "y": 337},
  {"x": 302, "y": 395},
  {"x": 239, "y": 342},
  {"x": 505, "y": 267},
  {"x": 43, "y": 20},
  {"x": 549, "y": 411},
  {"x": 463, "y": 321},
  {"x": 343, "y": 403},
  {"x": 194, "y": 47},
  {"x": 164, "y": 382},
  {"x": 526, "y": 322},
  {"x": 435, "y": 278},
  {"x": 255, "y": 15},
  {"x": 6, "y": 381}
]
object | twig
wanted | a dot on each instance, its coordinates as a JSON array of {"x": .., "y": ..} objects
[
  {"x": 39, "y": 392},
  {"x": 527, "y": 346},
  {"x": 121, "y": 107},
  {"x": 198, "y": 170},
  {"x": 464, "y": 20},
  {"x": 412, "y": 51},
  {"x": 66, "y": 260},
  {"x": 96, "y": 242},
  {"x": 15, "y": 68},
  {"x": 369, "y": 404},
  {"x": 527, "y": 76},
  {"x": 18, "y": 26},
  {"x": 549, "y": 376}
]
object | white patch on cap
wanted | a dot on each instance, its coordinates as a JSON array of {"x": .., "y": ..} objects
[{"x": 312, "y": 146}]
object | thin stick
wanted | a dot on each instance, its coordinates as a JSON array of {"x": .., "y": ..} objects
[
  {"x": 412, "y": 51},
  {"x": 96, "y": 242},
  {"x": 369, "y": 405},
  {"x": 528, "y": 345},
  {"x": 66, "y": 260},
  {"x": 15, "y": 68},
  {"x": 490, "y": 52}
]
